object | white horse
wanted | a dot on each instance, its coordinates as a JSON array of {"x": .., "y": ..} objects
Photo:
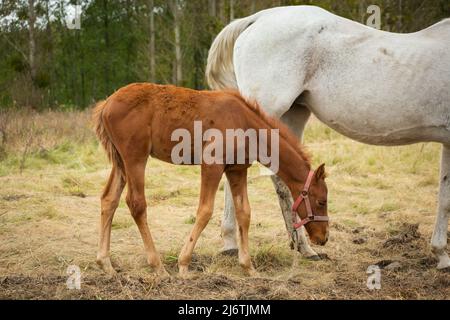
[{"x": 373, "y": 86}]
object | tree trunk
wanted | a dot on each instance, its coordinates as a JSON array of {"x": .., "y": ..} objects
[
  {"x": 178, "y": 54},
  {"x": 129, "y": 30},
  {"x": 400, "y": 17},
  {"x": 231, "y": 10},
  {"x": 277, "y": 3},
  {"x": 212, "y": 8},
  {"x": 50, "y": 54},
  {"x": 106, "y": 68},
  {"x": 81, "y": 69},
  {"x": 253, "y": 6},
  {"x": 178, "y": 58},
  {"x": 31, "y": 39},
  {"x": 152, "y": 51},
  {"x": 222, "y": 11},
  {"x": 362, "y": 12}
]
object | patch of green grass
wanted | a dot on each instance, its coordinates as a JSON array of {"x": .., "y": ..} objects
[
  {"x": 371, "y": 161},
  {"x": 122, "y": 222},
  {"x": 171, "y": 257},
  {"x": 349, "y": 223},
  {"x": 74, "y": 185},
  {"x": 429, "y": 180},
  {"x": 49, "y": 213},
  {"x": 379, "y": 183},
  {"x": 188, "y": 170},
  {"x": 360, "y": 208},
  {"x": 68, "y": 154},
  {"x": 389, "y": 207},
  {"x": 43, "y": 212},
  {"x": 270, "y": 258},
  {"x": 190, "y": 220},
  {"x": 176, "y": 197}
]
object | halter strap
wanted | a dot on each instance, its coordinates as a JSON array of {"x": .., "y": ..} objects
[{"x": 304, "y": 195}]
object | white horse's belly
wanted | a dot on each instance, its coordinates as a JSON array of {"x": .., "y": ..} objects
[
  {"x": 390, "y": 128},
  {"x": 386, "y": 112}
]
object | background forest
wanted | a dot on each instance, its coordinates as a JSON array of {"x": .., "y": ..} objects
[{"x": 44, "y": 64}]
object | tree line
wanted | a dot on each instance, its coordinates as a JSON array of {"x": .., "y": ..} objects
[{"x": 44, "y": 64}]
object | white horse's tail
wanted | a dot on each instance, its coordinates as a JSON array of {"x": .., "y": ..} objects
[{"x": 220, "y": 69}]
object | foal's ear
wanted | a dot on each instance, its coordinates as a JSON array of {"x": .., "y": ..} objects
[{"x": 320, "y": 172}]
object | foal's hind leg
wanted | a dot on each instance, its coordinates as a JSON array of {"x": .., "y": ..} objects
[
  {"x": 135, "y": 172},
  {"x": 211, "y": 175},
  {"x": 238, "y": 185},
  {"x": 110, "y": 201}
]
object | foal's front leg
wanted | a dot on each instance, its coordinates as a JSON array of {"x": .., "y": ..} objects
[
  {"x": 211, "y": 175},
  {"x": 238, "y": 184}
]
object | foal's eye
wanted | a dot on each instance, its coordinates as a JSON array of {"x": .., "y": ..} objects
[{"x": 322, "y": 203}]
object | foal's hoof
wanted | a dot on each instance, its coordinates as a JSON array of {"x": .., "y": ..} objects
[
  {"x": 230, "y": 252},
  {"x": 184, "y": 273},
  {"x": 252, "y": 273},
  {"x": 106, "y": 266},
  {"x": 162, "y": 273}
]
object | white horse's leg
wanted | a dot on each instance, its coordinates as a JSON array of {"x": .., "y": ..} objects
[
  {"x": 230, "y": 245},
  {"x": 439, "y": 239},
  {"x": 285, "y": 200},
  {"x": 296, "y": 119}
]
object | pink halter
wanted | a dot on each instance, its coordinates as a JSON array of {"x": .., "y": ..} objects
[{"x": 304, "y": 195}]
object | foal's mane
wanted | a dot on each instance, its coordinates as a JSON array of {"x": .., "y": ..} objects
[{"x": 274, "y": 123}]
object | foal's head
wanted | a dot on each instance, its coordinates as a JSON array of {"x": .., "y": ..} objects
[{"x": 317, "y": 194}]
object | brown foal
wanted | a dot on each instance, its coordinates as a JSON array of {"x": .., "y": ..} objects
[{"x": 137, "y": 122}]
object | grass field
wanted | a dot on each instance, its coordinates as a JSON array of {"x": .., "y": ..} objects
[{"x": 382, "y": 204}]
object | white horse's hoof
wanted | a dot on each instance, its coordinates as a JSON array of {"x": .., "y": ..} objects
[
  {"x": 314, "y": 258},
  {"x": 309, "y": 254},
  {"x": 444, "y": 263}
]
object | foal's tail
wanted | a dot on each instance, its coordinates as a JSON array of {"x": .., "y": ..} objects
[
  {"x": 103, "y": 136},
  {"x": 220, "y": 69}
]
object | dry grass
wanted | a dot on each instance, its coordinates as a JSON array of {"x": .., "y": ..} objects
[{"x": 52, "y": 172}]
